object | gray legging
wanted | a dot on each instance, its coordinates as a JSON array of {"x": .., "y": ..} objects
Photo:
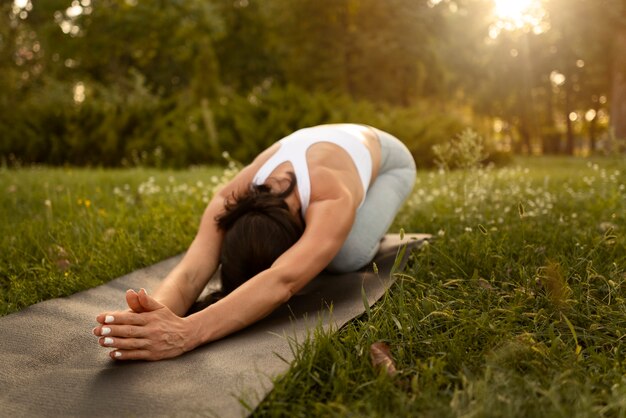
[{"x": 383, "y": 200}]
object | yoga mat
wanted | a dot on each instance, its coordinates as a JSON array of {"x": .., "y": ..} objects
[{"x": 51, "y": 364}]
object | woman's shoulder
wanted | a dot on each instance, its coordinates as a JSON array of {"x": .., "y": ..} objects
[
  {"x": 331, "y": 183},
  {"x": 241, "y": 182}
]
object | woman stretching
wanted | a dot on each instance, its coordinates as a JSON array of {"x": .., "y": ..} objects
[{"x": 320, "y": 198}]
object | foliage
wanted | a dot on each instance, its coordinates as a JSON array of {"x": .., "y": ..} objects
[
  {"x": 244, "y": 49},
  {"x": 466, "y": 150},
  {"x": 517, "y": 69},
  {"x": 378, "y": 51},
  {"x": 252, "y": 123},
  {"x": 137, "y": 127},
  {"x": 89, "y": 83}
]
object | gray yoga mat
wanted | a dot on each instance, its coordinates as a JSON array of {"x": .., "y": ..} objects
[{"x": 51, "y": 364}]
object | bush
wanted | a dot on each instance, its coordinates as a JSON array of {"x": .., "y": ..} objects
[
  {"x": 421, "y": 129},
  {"x": 109, "y": 128},
  {"x": 248, "y": 125},
  {"x": 47, "y": 126},
  {"x": 135, "y": 127},
  {"x": 465, "y": 150}
]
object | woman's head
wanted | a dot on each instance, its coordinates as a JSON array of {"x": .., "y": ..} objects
[{"x": 258, "y": 227}]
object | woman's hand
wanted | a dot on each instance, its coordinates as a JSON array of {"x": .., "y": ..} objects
[{"x": 148, "y": 331}]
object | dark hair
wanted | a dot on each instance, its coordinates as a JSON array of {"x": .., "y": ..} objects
[{"x": 258, "y": 228}]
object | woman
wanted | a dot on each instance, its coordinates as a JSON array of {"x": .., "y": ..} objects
[{"x": 320, "y": 198}]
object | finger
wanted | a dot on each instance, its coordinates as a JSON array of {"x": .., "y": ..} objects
[
  {"x": 148, "y": 302},
  {"x": 124, "y": 343},
  {"x": 133, "y": 301},
  {"x": 131, "y": 355},
  {"x": 124, "y": 331},
  {"x": 105, "y": 318},
  {"x": 121, "y": 318}
]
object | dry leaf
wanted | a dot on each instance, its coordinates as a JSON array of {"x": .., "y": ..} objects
[
  {"x": 484, "y": 284},
  {"x": 60, "y": 257},
  {"x": 109, "y": 234},
  {"x": 56, "y": 251},
  {"x": 63, "y": 264},
  {"x": 381, "y": 358}
]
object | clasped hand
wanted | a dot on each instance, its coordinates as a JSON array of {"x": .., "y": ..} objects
[{"x": 147, "y": 331}]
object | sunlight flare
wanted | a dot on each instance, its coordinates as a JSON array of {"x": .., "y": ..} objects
[
  {"x": 513, "y": 10},
  {"x": 510, "y": 15}
]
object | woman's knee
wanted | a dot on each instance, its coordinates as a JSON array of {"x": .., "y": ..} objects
[
  {"x": 400, "y": 181},
  {"x": 344, "y": 265},
  {"x": 352, "y": 259}
]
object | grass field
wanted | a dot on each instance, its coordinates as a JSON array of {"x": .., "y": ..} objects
[
  {"x": 65, "y": 230},
  {"x": 517, "y": 308}
]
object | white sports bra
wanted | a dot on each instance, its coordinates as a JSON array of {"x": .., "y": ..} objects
[{"x": 293, "y": 148}]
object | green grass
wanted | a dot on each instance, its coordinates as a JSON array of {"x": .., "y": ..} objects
[
  {"x": 517, "y": 308},
  {"x": 66, "y": 230}
]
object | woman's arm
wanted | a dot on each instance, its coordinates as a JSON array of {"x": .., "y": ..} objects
[
  {"x": 328, "y": 225},
  {"x": 185, "y": 282},
  {"x": 153, "y": 327},
  {"x": 158, "y": 333}
]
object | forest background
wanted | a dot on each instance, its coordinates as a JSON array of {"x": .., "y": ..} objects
[{"x": 174, "y": 83}]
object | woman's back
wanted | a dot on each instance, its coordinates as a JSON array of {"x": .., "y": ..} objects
[{"x": 326, "y": 160}]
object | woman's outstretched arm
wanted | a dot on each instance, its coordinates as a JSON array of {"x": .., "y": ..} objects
[
  {"x": 158, "y": 333},
  {"x": 185, "y": 282},
  {"x": 160, "y": 316},
  {"x": 153, "y": 328},
  {"x": 328, "y": 225}
]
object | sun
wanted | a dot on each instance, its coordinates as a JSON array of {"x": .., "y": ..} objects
[
  {"x": 513, "y": 10},
  {"x": 509, "y": 15}
]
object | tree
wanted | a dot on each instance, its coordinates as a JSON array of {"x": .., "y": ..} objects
[
  {"x": 243, "y": 46},
  {"x": 379, "y": 51},
  {"x": 618, "y": 90},
  {"x": 543, "y": 82}
]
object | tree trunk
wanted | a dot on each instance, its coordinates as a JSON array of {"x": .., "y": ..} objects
[
  {"x": 526, "y": 144},
  {"x": 593, "y": 129},
  {"x": 348, "y": 49},
  {"x": 209, "y": 125},
  {"x": 618, "y": 96},
  {"x": 569, "y": 134}
]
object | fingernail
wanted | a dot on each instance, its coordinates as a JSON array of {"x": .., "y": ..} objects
[
  {"x": 108, "y": 319},
  {"x": 108, "y": 341},
  {"x": 117, "y": 354},
  {"x": 143, "y": 290},
  {"x": 106, "y": 330},
  {"x": 93, "y": 331}
]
